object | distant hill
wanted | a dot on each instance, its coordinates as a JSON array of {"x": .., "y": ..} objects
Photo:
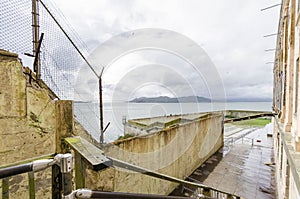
[
  {"x": 193, "y": 99},
  {"x": 165, "y": 99}
]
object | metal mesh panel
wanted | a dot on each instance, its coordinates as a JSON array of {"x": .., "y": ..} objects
[
  {"x": 15, "y": 26},
  {"x": 61, "y": 64}
]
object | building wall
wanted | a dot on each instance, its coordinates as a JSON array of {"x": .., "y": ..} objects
[
  {"x": 286, "y": 101},
  {"x": 176, "y": 151}
]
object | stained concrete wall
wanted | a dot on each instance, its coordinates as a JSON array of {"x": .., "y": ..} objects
[
  {"x": 30, "y": 120},
  {"x": 27, "y": 123},
  {"x": 27, "y": 115},
  {"x": 177, "y": 152}
]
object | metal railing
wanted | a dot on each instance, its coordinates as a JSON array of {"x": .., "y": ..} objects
[
  {"x": 62, "y": 167},
  {"x": 62, "y": 182},
  {"x": 62, "y": 172}
]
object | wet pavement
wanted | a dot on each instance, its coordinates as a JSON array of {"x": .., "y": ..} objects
[{"x": 240, "y": 166}]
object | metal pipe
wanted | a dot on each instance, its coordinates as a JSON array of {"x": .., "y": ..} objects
[
  {"x": 31, "y": 185},
  {"x": 271, "y": 49},
  {"x": 270, "y": 7},
  {"x": 270, "y": 35},
  {"x": 131, "y": 167},
  {"x": 66, "y": 167},
  {"x": 106, "y": 127},
  {"x": 35, "y": 33},
  {"x": 24, "y": 168},
  {"x": 101, "y": 110},
  {"x": 15, "y": 170},
  {"x": 85, "y": 193},
  {"x": 5, "y": 188},
  {"x": 36, "y": 62}
]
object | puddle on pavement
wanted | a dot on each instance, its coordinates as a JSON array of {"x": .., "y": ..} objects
[{"x": 240, "y": 163}]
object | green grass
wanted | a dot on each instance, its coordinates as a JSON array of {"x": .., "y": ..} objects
[{"x": 254, "y": 122}]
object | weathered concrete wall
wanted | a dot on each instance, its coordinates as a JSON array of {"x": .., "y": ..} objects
[
  {"x": 27, "y": 118},
  {"x": 27, "y": 124},
  {"x": 176, "y": 151},
  {"x": 32, "y": 124}
]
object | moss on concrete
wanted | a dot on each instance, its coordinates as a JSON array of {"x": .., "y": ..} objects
[
  {"x": 124, "y": 137},
  {"x": 72, "y": 140}
]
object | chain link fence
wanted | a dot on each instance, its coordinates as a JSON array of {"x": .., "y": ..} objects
[{"x": 60, "y": 62}]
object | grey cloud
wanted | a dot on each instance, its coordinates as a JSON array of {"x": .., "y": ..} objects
[{"x": 231, "y": 31}]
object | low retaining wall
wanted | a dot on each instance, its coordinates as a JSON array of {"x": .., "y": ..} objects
[{"x": 176, "y": 152}]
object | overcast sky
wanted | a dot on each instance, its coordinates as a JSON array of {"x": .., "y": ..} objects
[{"x": 230, "y": 32}]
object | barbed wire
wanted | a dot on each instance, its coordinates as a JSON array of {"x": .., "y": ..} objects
[
  {"x": 15, "y": 23},
  {"x": 60, "y": 61}
]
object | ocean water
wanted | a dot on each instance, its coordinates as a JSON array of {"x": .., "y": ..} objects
[{"x": 88, "y": 113}]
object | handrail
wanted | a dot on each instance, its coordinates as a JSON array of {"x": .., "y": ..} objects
[
  {"x": 131, "y": 167},
  {"x": 86, "y": 193},
  {"x": 36, "y": 165},
  {"x": 102, "y": 160},
  {"x": 62, "y": 166},
  {"x": 64, "y": 162}
]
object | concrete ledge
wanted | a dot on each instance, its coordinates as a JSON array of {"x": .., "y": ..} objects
[
  {"x": 8, "y": 55},
  {"x": 93, "y": 155}
]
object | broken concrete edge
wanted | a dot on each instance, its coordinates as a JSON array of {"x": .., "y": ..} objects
[
  {"x": 31, "y": 76},
  {"x": 90, "y": 153},
  {"x": 6, "y": 53},
  {"x": 31, "y": 79}
]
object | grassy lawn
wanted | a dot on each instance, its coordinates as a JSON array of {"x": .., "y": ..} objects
[{"x": 254, "y": 122}]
